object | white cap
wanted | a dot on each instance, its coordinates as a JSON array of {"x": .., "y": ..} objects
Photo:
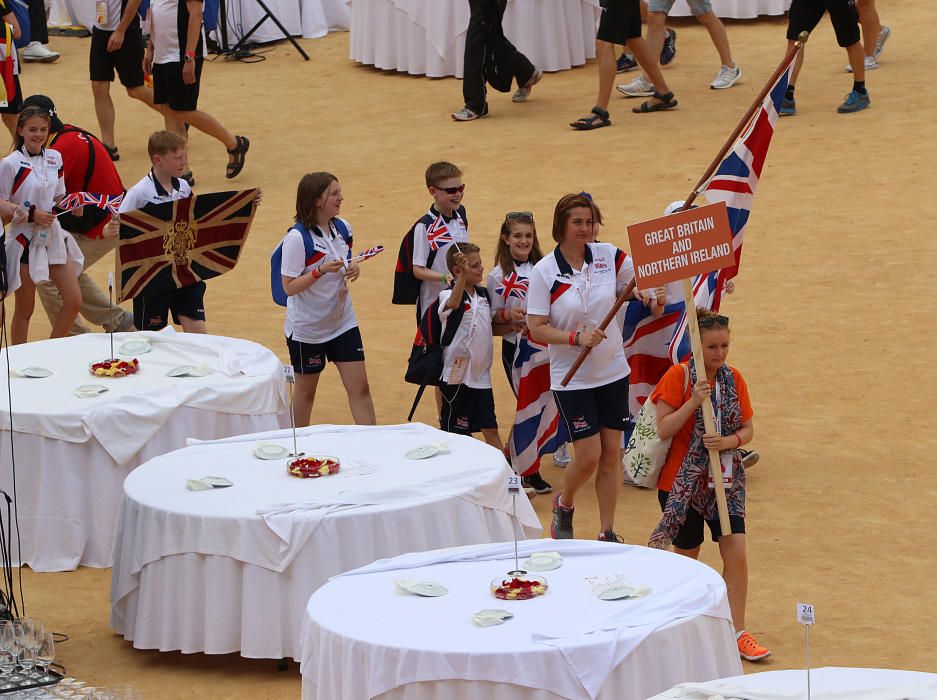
[{"x": 673, "y": 206}]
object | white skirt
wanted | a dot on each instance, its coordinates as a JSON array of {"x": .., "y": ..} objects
[{"x": 60, "y": 248}]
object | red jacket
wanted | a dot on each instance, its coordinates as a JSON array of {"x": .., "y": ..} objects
[{"x": 88, "y": 168}]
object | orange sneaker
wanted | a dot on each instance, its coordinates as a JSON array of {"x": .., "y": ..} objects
[{"x": 749, "y": 649}]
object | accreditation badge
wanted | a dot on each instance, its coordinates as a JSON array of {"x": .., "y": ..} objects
[
  {"x": 101, "y": 9},
  {"x": 459, "y": 367},
  {"x": 726, "y": 462}
]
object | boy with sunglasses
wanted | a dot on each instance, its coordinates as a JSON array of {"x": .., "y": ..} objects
[{"x": 444, "y": 224}]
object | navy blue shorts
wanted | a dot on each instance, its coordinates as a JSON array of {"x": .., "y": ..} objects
[
  {"x": 151, "y": 311},
  {"x": 466, "y": 410},
  {"x": 690, "y": 535},
  {"x": 587, "y": 411},
  {"x": 310, "y": 358}
]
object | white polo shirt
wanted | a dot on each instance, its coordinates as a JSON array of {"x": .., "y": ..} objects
[
  {"x": 574, "y": 299},
  {"x": 169, "y": 21},
  {"x": 149, "y": 191},
  {"x": 432, "y": 236},
  {"x": 472, "y": 339},
  {"x": 509, "y": 291},
  {"x": 322, "y": 311}
]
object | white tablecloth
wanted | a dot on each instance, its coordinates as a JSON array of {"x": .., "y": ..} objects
[
  {"x": 308, "y": 18},
  {"x": 232, "y": 569},
  {"x": 427, "y": 37},
  {"x": 825, "y": 684},
  {"x": 72, "y": 454},
  {"x": 737, "y": 9},
  {"x": 364, "y": 639}
]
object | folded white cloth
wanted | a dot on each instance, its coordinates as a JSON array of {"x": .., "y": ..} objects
[{"x": 826, "y": 684}]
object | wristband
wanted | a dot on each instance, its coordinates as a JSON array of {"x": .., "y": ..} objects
[
  {"x": 572, "y": 338},
  {"x": 189, "y": 55},
  {"x": 739, "y": 438},
  {"x": 316, "y": 273},
  {"x": 444, "y": 278},
  {"x": 32, "y": 213}
]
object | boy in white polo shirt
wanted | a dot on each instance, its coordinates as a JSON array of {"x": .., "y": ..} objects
[
  {"x": 164, "y": 183},
  {"x": 468, "y": 402}
]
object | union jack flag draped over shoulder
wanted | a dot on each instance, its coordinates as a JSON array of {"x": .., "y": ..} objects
[
  {"x": 652, "y": 345},
  {"x": 176, "y": 244}
]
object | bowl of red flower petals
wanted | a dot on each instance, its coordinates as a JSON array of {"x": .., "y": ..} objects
[
  {"x": 519, "y": 587},
  {"x": 114, "y": 368},
  {"x": 313, "y": 467}
]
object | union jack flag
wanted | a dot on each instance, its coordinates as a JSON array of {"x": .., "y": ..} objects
[
  {"x": 108, "y": 202},
  {"x": 652, "y": 345},
  {"x": 438, "y": 236},
  {"x": 366, "y": 254},
  {"x": 180, "y": 243},
  {"x": 538, "y": 429},
  {"x": 513, "y": 286}
]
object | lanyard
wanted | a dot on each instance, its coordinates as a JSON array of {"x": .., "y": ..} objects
[
  {"x": 42, "y": 175},
  {"x": 473, "y": 325},
  {"x": 584, "y": 296}
]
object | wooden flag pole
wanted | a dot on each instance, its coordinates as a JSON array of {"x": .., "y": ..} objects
[
  {"x": 622, "y": 298},
  {"x": 689, "y": 299}
]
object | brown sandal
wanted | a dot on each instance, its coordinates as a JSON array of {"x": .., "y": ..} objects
[
  {"x": 239, "y": 151},
  {"x": 666, "y": 102}
]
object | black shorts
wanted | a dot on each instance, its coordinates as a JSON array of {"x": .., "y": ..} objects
[
  {"x": 805, "y": 15},
  {"x": 170, "y": 89},
  {"x": 620, "y": 21},
  {"x": 690, "y": 535},
  {"x": 586, "y": 411},
  {"x": 151, "y": 311},
  {"x": 507, "y": 359},
  {"x": 466, "y": 410},
  {"x": 127, "y": 60},
  {"x": 310, "y": 358},
  {"x": 14, "y": 105}
]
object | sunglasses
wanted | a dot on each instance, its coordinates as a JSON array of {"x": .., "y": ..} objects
[
  {"x": 526, "y": 216},
  {"x": 452, "y": 190},
  {"x": 714, "y": 320}
]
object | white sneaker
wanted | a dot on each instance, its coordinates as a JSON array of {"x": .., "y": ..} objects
[
  {"x": 880, "y": 41},
  {"x": 561, "y": 457},
  {"x": 639, "y": 87},
  {"x": 726, "y": 78},
  {"x": 870, "y": 64},
  {"x": 36, "y": 52}
]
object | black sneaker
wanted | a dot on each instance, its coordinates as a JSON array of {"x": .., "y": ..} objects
[
  {"x": 749, "y": 458},
  {"x": 561, "y": 527},
  {"x": 537, "y": 483},
  {"x": 610, "y": 536},
  {"x": 669, "y": 49},
  {"x": 625, "y": 63}
]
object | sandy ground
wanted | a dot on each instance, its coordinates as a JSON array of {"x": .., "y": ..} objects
[{"x": 831, "y": 318}]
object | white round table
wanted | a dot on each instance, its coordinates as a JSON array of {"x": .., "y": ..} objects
[
  {"x": 231, "y": 570},
  {"x": 825, "y": 684},
  {"x": 72, "y": 454},
  {"x": 427, "y": 37},
  {"x": 362, "y": 638}
]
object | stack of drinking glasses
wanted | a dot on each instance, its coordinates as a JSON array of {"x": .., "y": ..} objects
[{"x": 26, "y": 652}]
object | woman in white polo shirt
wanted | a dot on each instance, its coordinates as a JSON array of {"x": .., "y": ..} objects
[
  {"x": 320, "y": 323},
  {"x": 571, "y": 291}
]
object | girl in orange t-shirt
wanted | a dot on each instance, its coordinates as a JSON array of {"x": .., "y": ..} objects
[{"x": 684, "y": 484}]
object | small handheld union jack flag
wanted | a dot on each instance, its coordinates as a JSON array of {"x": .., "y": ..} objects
[
  {"x": 109, "y": 202},
  {"x": 513, "y": 286},
  {"x": 438, "y": 234},
  {"x": 366, "y": 254}
]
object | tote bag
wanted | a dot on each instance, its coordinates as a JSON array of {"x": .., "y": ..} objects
[{"x": 646, "y": 452}]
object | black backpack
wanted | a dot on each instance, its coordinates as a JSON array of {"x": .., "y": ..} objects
[{"x": 406, "y": 285}]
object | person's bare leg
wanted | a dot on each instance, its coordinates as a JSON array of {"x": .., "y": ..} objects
[
  {"x": 207, "y": 124},
  {"x": 64, "y": 277},
  {"x": 355, "y": 379},
  {"x": 605, "y": 55},
  {"x": 9, "y": 120},
  {"x": 871, "y": 25},
  {"x": 735, "y": 574},
  {"x": 586, "y": 454},
  {"x": 493, "y": 437},
  {"x": 608, "y": 477},
  {"x": 691, "y": 553},
  {"x": 304, "y": 396},
  {"x": 656, "y": 33},
  {"x": 144, "y": 95},
  {"x": 104, "y": 109},
  {"x": 25, "y": 297},
  {"x": 649, "y": 63},
  {"x": 173, "y": 122},
  {"x": 192, "y": 325},
  {"x": 717, "y": 32},
  {"x": 857, "y": 61}
]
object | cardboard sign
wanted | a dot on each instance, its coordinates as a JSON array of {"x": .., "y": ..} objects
[{"x": 681, "y": 245}]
